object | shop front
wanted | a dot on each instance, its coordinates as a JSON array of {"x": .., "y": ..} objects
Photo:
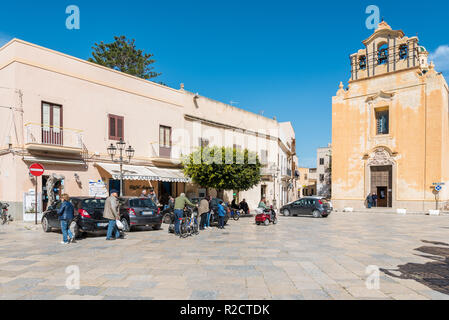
[{"x": 165, "y": 181}]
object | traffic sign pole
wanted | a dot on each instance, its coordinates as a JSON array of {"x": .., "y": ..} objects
[{"x": 36, "y": 170}]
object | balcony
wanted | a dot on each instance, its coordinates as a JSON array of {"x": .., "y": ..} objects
[{"x": 53, "y": 139}]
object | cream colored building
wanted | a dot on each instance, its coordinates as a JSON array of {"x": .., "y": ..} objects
[
  {"x": 64, "y": 112},
  {"x": 390, "y": 133}
]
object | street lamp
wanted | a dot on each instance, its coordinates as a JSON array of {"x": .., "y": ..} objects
[{"x": 112, "y": 151}]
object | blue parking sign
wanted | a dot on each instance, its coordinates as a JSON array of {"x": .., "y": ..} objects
[{"x": 438, "y": 188}]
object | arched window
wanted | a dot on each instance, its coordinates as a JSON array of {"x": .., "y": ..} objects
[
  {"x": 362, "y": 62},
  {"x": 403, "y": 51},
  {"x": 382, "y": 54}
]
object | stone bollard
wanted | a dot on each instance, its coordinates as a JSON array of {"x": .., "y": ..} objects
[
  {"x": 401, "y": 211},
  {"x": 434, "y": 212}
]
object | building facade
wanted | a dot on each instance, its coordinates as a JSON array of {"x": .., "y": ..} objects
[
  {"x": 64, "y": 112},
  {"x": 324, "y": 174},
  {"x": 390, "y": 133}
]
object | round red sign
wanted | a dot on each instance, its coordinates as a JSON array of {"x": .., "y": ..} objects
[{"x": 36, "y": 170}]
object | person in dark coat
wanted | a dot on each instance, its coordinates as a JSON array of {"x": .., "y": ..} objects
[
  {"x": 244, "y": 206},
  {"x": 369, "y": 201},
  {"x": 66, "y": 215}
]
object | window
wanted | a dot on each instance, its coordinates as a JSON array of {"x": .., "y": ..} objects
[
  {"x": 403, "y": 52},
  {"x": 305, "y": 176},
  {"x": 382, "y": 121},
  {"x": 362, "y": 62},
  {"x": 321, "y": 161},
  {"x": 264, "y": 156},
  {"x": 116, "y": 127},
  {"x": 165, "y": 142},
  {"x": 165, "y": 137},
  {"x": 382, "y": 54},
  {"x": 203, "y": 142},
  {"x": 52, "y": 124}
]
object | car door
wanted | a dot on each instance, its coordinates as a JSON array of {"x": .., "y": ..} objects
[
  {"x": 53, "y": 217},
  {"x": 296, "y": 208},
  {"x": 309, "y": 206}
]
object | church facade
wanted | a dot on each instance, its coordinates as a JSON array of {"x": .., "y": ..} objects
[{"x": 390, "y": 127}]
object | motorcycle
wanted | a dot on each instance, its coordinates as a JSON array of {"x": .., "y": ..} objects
[{"x": 5, "y": 217}]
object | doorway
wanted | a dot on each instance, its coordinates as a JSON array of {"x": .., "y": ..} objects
[
  {"x": 382, "y": 197},
  {"x": 382, "y": 185}
]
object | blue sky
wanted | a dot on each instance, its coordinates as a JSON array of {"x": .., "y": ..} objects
[{"x": 285, "y": 58}]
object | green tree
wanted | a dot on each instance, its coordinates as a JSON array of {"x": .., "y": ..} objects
[
  {"x": 223, "y": 168},
  {"x": 122, "y": 55}
]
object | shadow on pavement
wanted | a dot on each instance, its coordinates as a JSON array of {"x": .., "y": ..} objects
[{"x": 434, "y": 274}]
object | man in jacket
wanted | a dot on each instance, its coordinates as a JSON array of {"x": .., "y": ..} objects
[
  {"x": 111, "y": 212},
  {"x": 244, "y": 206},
  {"x": 203, "y": 209},
  {"x": 180, "y": 203},
  {"x": 66, "y": 214}
]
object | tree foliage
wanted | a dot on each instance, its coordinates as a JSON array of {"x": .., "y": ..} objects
[
  {"x": 122, "y": 55},
  {"x": 223, "y": 168}
]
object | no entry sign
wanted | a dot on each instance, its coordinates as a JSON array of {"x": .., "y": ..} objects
[{"x": 36, "y": 170}]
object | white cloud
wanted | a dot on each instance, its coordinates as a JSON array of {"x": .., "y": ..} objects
[{"x": 441, "y": 58}]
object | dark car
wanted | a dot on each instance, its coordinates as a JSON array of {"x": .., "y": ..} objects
[
  {"x": 315, "y": 206},
  {"x": 141, "y": 212},
  {"x": 88, "y": 216}
]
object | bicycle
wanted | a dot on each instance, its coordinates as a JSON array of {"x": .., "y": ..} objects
[
  {"x": 188, "y": 224},
  {"x": 235, "y": 214}
]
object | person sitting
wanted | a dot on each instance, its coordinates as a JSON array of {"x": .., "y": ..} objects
[{"x": 244, "y": 206}]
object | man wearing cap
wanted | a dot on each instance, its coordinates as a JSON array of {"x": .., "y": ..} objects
[{"x": 111, "y": 212}]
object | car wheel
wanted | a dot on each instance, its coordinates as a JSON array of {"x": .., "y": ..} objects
[
  {"x": 286, "y": 212},
  {"x": 45, "y": 225},
  {"x": 75, "y": 229},
  {"x": 157, "y": 227},
  {"x": 316, "y": 214},
  {"x": 126, "y": 227},
  {"x": 266, "y": 222}
]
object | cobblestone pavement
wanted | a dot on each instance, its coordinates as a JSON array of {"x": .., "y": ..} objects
[{"x": 300, "y": 258}]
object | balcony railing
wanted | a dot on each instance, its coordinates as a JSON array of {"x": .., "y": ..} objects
[{"x": 43, "y": 135}]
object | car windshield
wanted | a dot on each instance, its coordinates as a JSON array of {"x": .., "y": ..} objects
[
  {"x": 94, "y": 203},
  {"x": 142, "y": 203}
]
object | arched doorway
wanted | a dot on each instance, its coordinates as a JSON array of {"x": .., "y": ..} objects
[{"x": 380, "y": 171}]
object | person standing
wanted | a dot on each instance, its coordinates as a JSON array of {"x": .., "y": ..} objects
[
  {"x": 369, "y": 200},
  {"x": 153, "y": 197},
  {"x": 374, "y": 200},
  {"x": 111, "y": 212},
  {"x": 221, "y": 215},
  {"x": 144, "y": 194},
  {"x": 203, "y": 210},
  {"x": 66, "y": 215},
  {"x": 180, "y": 203},
  {"x": 209, "y": 213}
]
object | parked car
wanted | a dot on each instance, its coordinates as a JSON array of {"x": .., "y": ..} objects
[
  {"x": 141, "y": 212},
  {"x": 315, "y": 206},
  {"x": 88, "y": 216}
]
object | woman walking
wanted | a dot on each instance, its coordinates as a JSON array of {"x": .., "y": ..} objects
[{"x": 65, "y": 217}]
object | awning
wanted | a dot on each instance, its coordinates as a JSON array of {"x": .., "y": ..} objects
[
  {"x": 144, "y": 173},
  {"x": 169, "y": 175}
]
